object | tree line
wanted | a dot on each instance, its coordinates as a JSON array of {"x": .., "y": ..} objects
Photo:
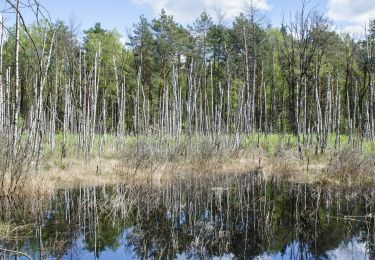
[{"x": 209, "y": 78}]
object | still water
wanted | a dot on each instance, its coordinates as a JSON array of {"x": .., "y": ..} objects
[{"x": 238, "y": 217}]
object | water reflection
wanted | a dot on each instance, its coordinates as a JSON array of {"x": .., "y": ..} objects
[{"x": 231, "y": 217}]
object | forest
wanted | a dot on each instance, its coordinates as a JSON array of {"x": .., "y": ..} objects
[
  {"x": 222, "y": 138},
  {"x": 171, "y": 91}
]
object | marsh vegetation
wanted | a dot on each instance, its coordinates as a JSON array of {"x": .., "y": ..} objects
[
  {"x": 301, "y": 93},
  {"x": 213, "y": 139}
]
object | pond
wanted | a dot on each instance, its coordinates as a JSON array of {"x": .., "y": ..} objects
[{"x": 213, "y": 217}]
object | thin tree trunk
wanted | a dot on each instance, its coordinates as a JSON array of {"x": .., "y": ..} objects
[
  {"x": 17, "y": 79},
  {"x": 371, "y": 108},
  {"x": 212, "y": 96},
  {"x": 136, "y": 101},
  {"x": 2, "y": 92},
  {"x": 273, "y": 94},
  {"x": 337, "y": 143},
  {"x": 297, "y": 121},
  {"x": 239, "y": 117},
  {"x": 247, "y": 84},
  {"x": 318, "y": 116}
]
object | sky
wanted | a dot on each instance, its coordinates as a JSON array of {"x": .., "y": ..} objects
[{"x": 346, "y": 15}]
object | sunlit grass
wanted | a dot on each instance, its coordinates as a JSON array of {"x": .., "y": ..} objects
[{"x": 111, "y": 146}]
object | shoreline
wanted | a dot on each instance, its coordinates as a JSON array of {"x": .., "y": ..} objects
[{"x": 325, "y": 170}]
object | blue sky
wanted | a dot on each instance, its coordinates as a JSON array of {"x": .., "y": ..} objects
[{"x": 121, "y": 14}]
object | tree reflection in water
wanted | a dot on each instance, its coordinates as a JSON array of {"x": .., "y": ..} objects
[{"x": 234, "y": 216}]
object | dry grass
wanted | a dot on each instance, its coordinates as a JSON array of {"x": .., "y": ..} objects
[
  {"x": 144, "y": 163},
  {"x": 352, "y": 168},
  {"x": 4, "y": 229},
  {"x": 345, "y": 168},
  {"x": 285, "y": 165},
  {"x": 75, "y": 172},
  {"x": 140, "y": 166}
]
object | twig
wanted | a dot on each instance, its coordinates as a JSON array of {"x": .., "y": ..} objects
[{"x": 15, "y": 252}]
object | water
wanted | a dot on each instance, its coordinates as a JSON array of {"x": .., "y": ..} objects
[{"x": 199, "y": 218}]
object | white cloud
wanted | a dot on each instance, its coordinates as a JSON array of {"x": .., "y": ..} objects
[
  {"x": 353, "y": 248},
  {"x": 357, "y": 31},
  {"x": 355, "y": 12},
  {"x": 186, "y": 11}
]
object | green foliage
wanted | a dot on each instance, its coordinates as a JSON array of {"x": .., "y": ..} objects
[
  {"x": 277, "y": 61},
  {"x": 109, "y": 43}
]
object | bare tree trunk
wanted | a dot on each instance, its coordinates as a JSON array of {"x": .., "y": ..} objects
[
  {"x": 194, "y": 102},
  {"x": 212, "y": 98},
  {"x": 145, "y": 118},
  {"x": 118, "y": 100},
  {"x": 371, "y": 108},
  {"x": 248, "y": 114},
  {"x": 95, "y": 93},
  {"x": 297, "y": 121},
  {"x": 161, "y": 115},
  {"x": 79, "y": 109},
  {"x": 17, "y": 103},
  {"x": 370, "y": 84},
  {"x": 54, "y": 111},
  {"x": 263, "y": 102},
  {"x": 40, "y": 105},
  {"x": 329, "y": 100},
  {"x": 282, "y": 124},
  {"x": 305, "y": 131},
  {"x": 166, "y": 110},
  {"x": 355, "y": 114},
  {"x": 337, "y": 143},
  {"x": 200, "y": 100},
  {"x": 335, "y": 98},
  {"x": 228, "y": 78},
  {"x": 260, "y": 105},
  {"x": 327, "y": 111},
  {"x": 350, "y": 122},
  {"x": 367, "y": 122},
  {"x": 8, "y": 116},
  {"x": 180, "y": 106},
  {"x": 2, "y": 92},
  {"x": 86, "y": 107},
  {"x": 174, "y": 102},
  {"x": 253, "y": 89},
  {"x": 318, "y": 116},
  {"x": 136, "y": 101},
  {"x": 104, "y": 117},
  {"x": 219, "y": 113},
  {"x": 239, "y": 117},
  {"x": 66, "y": 110},
  {"x": 123, "y": 108},
  {"x": 272, "y": 114},
  {"x": 189, "y": 102}
]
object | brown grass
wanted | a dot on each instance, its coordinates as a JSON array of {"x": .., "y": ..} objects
[
  {"x": 74, "y": 172},
  {"x": 351, "y": 167},
  {"x": 4, "y": 229},
  {"x": 144, "y": 165}
]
